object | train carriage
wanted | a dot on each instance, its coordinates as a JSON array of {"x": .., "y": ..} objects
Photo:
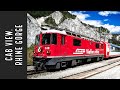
[
  {"x": 114, "y": 50},
  {"x": 55, "y": 49}
]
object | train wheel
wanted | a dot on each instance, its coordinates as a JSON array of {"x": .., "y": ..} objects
[
  {"x": 74, "y": 63},
  {"x": 101, "y": 58},
  {"x": 53, "y": 67},
  {"x": 97, "y": 59},
  {"x": 79, "y": 62},
  {"x": 84, "y": 61},
  {"x": 63, "y": 64},
  {"x": 93, "y": 60},
  {"x": 38, "y": 66},
  {"x": 36, "y": 69},
  {"x": 58, "y": 66},
  {"x": 50, "y": 67},
  {"x": 88, "y": 60},
  {"x": 69, "y": 64}
]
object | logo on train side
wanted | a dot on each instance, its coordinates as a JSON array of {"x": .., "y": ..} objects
[
  {"x": 88, "y": 51},
  {"x": 79, "y": 51}
]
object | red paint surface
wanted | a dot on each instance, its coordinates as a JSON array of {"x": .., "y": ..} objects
[{"x": 88, "y": 48}]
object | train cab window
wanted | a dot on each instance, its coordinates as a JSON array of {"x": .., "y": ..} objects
[
  {"x": 76, "y": 42},
  {"x": 54, "y": 38},
  {"x": 37, "y": 40},
  {"x": 62, "y": 40},
  {"x": 102, "y": 46},
  {"x": 97, "y": 45},
  {"x": 46, "y": 39}
]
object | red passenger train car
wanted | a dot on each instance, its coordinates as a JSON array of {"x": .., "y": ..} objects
[{"x": 55, "y": 49}]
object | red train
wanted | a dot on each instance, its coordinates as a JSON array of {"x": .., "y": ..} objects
[{"x": 55, "y": 49}]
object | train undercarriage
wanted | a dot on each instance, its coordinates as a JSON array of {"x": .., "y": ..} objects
[{"x": 62, "y": 62}]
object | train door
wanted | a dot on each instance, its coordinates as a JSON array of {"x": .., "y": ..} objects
[
  {"x": 55, "y": 44},
  {"x": 63, "y": 46}
]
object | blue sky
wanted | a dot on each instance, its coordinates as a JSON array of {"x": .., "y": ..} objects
[{"x": 107, "y": 19}]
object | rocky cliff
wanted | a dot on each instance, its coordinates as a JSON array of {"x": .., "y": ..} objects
[{"x": 64, "y": 20}]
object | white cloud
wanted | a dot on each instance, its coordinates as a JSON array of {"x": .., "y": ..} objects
[
  {"x": 97, "y": 23},
  {"x": 112, "y": 28},
  {"x": 82, "y": 11},
  {"x": 105, "y": 19},
  {"x": 106, "y": 13},
  {"x": 83, "y": 17},
  {"x": 80, "y": 15}
]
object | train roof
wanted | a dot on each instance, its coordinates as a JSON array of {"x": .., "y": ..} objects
[
  {"x": 114, "y": 45},
  {"x": 65, "y": 33},
  {"x": 53, "y": 31}
]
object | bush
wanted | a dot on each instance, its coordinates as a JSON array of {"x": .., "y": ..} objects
[
  {"x": 66, "y": 15},
  {"x": 37, "y": 14},
  {"x": 30, "y": 54}
]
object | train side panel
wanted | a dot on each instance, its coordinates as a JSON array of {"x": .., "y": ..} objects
[
  {"x": 86, "y": 47},
  {"x": 106, "y": 50}
]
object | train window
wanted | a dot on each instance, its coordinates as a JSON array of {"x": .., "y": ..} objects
[
  {"x": 102, "y": 46},
  {"x": 54, "y": 38},
  {"x": 46, "y": 38},
  {"x": 37, "y": 40},
  {"x": 73, "y": 34},
  {"x": 97, "y": 45},
  {"x": 68, "y": 33},
  {"x": 78, "y": 35},
  {"x": 76, "y": 42},
  {"x": 62, "y": 40}
]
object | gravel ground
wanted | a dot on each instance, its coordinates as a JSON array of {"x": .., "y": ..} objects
[
  {"x": 70, "y": 71},
  {"x": 29, "y": 68},
  {"x": 113, "y": 73}
]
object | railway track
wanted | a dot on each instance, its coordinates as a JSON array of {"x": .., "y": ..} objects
[
  {"x": 31, "y": 70},
  {"x": 79, "y": 72},
  {"x": 92, "y": 72}
]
